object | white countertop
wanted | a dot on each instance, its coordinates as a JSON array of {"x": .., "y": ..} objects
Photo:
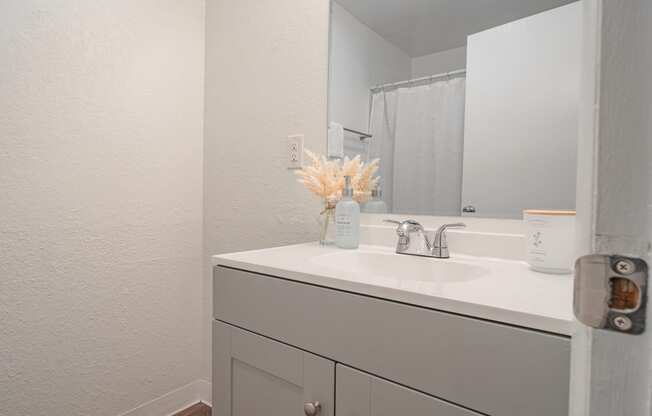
[{"x": 499, "y": 290}]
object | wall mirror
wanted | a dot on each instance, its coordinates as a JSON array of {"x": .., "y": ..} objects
[{"x": 471, "y": 106}]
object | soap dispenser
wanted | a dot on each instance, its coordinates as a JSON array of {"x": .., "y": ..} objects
[
  {"x": 375, "y": 205},
  {"x": 347, "y": 218}
]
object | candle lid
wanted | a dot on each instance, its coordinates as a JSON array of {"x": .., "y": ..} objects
[{"x": 552, "y": 212}]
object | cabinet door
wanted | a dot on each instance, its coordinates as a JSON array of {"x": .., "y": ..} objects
[
  {"x": 255, "y": 376},
  {"x": 361, "y": 394}
]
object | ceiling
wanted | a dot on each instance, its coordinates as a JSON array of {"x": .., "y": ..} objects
[{"x": 422, "y": 27}]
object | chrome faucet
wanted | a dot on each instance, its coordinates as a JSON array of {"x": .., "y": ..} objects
[{"x": 436, "y": 248}]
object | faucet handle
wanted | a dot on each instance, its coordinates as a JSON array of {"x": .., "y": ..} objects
[
  {"x": 406, "y": 227},
  {"x": 399, "y": 230},
  {"x": 440, "y": 234},
  {"x": 392, "y": 221},
  {"x": 439, "y": 245},
  {"x": 444, "y": 227}
]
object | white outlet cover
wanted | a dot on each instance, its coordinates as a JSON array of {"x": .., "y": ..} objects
[{"x": 294, "y": 151}]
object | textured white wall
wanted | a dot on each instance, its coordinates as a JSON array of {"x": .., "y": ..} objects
[
  {"x": 360, "y": 59},
  {"x": 100, "y": 203},
  {"x": 266, "y": 78},
  {"x": 437, "y": 63}
]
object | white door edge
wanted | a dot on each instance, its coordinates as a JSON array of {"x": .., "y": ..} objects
[{"x": 610, "y": 372}]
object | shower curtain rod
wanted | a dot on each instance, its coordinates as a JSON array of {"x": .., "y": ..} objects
[
  {"x": 415, "y": 80},
  {"x": 358, "y": 133}
]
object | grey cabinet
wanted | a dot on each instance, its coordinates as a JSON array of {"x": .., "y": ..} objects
[
  {"x": 361, "y": 394},
  {"x": 474, "y": 363},
  {"x": 253, "y": 375},
  {"x": 466, "y": 363}
]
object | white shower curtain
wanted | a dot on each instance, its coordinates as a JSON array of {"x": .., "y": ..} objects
[{"x": 418, "y": 134}]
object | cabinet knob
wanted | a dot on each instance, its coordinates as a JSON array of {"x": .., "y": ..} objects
[{"x": 312, "y": 408}]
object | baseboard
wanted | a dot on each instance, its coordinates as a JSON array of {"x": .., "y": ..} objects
[
  {"x": 205, "y": 389},
  {"x": 175, "y": 400}
]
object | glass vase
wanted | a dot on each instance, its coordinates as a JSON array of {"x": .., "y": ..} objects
[{"x": 327, "y": 225}]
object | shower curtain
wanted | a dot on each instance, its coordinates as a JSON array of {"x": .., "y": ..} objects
[{"x": 418, "y": 134}]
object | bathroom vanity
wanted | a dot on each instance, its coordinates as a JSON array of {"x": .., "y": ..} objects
[{"x": 372, "y": 333}]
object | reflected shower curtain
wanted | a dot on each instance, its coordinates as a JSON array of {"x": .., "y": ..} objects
[{"x": 418, "y": 134}]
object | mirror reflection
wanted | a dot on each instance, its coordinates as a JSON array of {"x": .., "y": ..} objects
[{"x": 471, "y": 107}]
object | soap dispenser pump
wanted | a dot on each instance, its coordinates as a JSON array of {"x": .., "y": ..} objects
[{"x": 347, "y": 218}]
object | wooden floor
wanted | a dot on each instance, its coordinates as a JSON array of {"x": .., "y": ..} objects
[{"x": 199, "y": 409}]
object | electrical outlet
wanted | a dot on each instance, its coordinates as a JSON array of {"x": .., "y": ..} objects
[{"x": 295, "y": 151}]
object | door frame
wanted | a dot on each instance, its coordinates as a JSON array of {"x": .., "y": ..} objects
[{"x": 610, "y": 372}]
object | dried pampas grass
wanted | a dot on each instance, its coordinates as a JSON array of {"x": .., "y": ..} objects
[{"x": 325, "y": 178}]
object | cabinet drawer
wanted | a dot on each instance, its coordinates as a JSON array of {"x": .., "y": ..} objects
[
  {"x": 361, "y": 394},
  {"x": 488, "y": 367}
]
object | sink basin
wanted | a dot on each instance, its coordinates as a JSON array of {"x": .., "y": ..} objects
[{"x": 399, "y": 267}]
